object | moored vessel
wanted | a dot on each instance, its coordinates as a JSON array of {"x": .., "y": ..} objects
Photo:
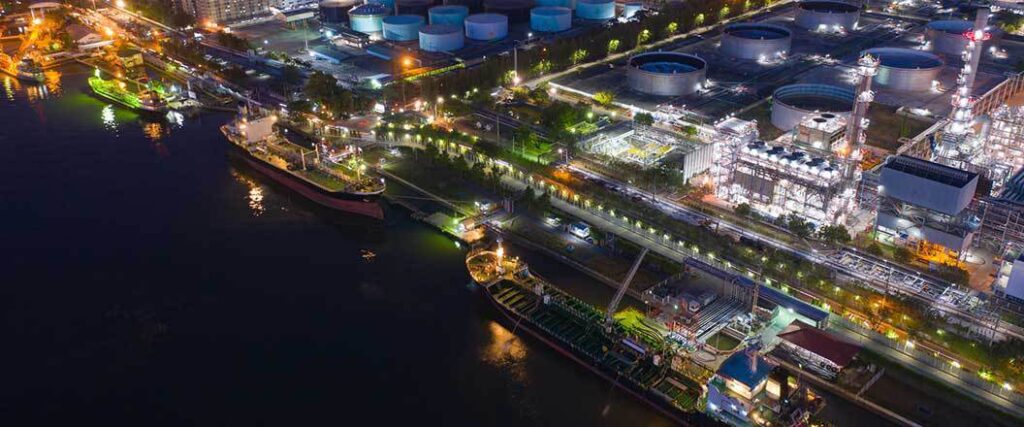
[
  {"x": 637, "y": 364},
  {"x": 142, "y": 98},
  {"x": 329, "y": 175}
]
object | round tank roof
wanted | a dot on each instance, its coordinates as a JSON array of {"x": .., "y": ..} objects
[
  {"x": 758, "y": 31},
  {"x": 824, "y": 6},
  {"x": 439, "y": 29},
  {"x": 409, "y": 3},
  {"x": 894, "y": 57},
  {"x": 951, "y": 26},
  {"x": 370, "y": 9},
  {"x": 595, "y": 1},
  {"x": 815, "y": 97},
  {"x": 508, "y": 4},
  {"x": 551, "y": 10},
  {"x": 667, "y": 62},
  {"x": 487, "y": 18},
  {"x": 454, "y": 9},
  {"x": 403, "y": 20}
]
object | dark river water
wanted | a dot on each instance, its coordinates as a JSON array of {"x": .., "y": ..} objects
[{"x": 150, "y": 280}]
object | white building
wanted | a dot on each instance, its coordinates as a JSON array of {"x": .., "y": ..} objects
[
  {"x": 223, "y": 12},
  {"x": 85, "y": 38}
]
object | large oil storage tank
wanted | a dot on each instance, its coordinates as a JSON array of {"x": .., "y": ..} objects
[
  {"x": 906, "y": 70},
  {"x": 598, "y": 10},
  {"x": 950, "y": 37},
  {"x": 475, "y": 6},
  {"x": 486, "y": 26},
  {"x": 792, "y": 103},
  {"x": 335, "y": 11},
  {"x": 414, "y": 7},
  {"x": 517, "y": 11},
  {"x": 666, "y": 73},
  {"x": 756, "y": 41},
  {"x": 389, "y": 4},
  {"x": 550, "y": 19},
  {"x": 571, "y": 4},
  {"x": 368, "y": 18},
  {"x": 402, "y": 28},
  {"x": 631, "y": 8},
  {"x": 827, "y": 16},
  {"x": 453, "y": 15},
  {"x": 441, "y": 38}
]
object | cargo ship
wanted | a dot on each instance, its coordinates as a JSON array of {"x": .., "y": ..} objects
[
  {"x": 330, "y": 176},
  {"x": 579, "y": 331},
  {"x": 141, "y": 99}
]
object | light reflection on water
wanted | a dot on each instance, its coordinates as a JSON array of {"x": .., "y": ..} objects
[
  {"x": 255, "y": 195},
  {"x": 505, "y": 350},
  {"x": 108, "y": 117}
]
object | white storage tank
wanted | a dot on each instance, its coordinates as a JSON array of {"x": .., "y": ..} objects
[
  {"x": 441, "y": 38},
  {"x": 368, "y": 18},
  {"x": 448, "y": 15},
  {"x": 906, "y": 70},
  {"x": 597, "y": 10},
  {"x": 759, "y": 42},
  {"x": 827, "y": 16},
  {"x": 402, "y": 28},
  {"x": 486, "y": 26},
  {"x": 517, "y": 11},
  {"x": 631, "y": 8},
  {"x": 335, "y": 11},
  {"x": 414, "y": 7},
  {"x": 389, "y": 4},
  {"x": 571, "y": 4},
  {"x": 550, "y": 19}
]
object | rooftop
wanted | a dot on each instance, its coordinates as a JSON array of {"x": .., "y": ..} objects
[
  {"x": 820, "y": 342},
  {"x": 931, "y": 171},
  {"x": 739, "y": 367}
]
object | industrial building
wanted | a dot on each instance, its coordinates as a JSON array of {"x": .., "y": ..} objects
[
  {"x": 816, "y": 350},
  {"x": 227, "y": 11},
  {"x": 1010, "y": 280},
  {"x": 922, "y": 203},
  {"x": 650, "y": 147}
]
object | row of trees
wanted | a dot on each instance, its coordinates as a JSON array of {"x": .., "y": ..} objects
[
  {"x": 323, "y": 89},
  {"x": 589, "y": 46}
]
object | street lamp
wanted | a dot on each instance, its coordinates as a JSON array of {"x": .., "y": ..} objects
[{"x": 120, "y": 4}]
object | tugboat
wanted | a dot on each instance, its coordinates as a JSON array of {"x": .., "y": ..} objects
[
  {"x": 143, "y": 99},
  {"x": 325, "y": 174}
]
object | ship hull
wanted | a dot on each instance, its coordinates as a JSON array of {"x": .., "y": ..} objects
[
  {"x": 141, "y": 109},
  {"x": 365, "y": 205},
  {"x": 520, "y": 322}
]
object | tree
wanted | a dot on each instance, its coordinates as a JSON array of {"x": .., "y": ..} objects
[
  {"x": 232, "y": 41},
  {"x": 578, "y": 56},
  {"x": 798, "y": 226},
  {"x": 874, "y": 249},
  {"x": 604, "y": 98},
  {"x": 834, "y": 234},
  {"x": 743, "y": 209},
  {"x": 902, "y": 255},
  {"x": 613, "y": 46},
  {"x": 643, "y": 119}
]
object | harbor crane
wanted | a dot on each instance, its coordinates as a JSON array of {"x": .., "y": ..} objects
[{"x": 624, "y": 286}]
